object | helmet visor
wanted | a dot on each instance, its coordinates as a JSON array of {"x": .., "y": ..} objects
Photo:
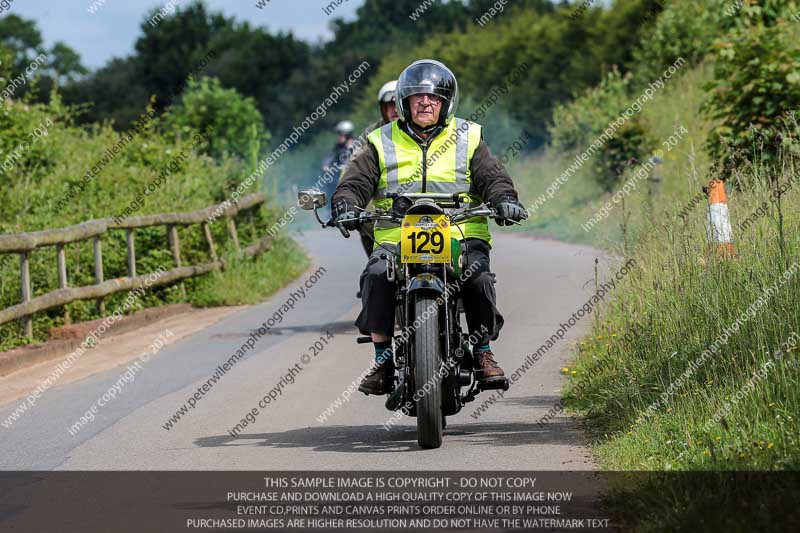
[{"x": 426, "y": 78}]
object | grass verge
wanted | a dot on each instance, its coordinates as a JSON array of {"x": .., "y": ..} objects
[
  {"x": 251, "y": 281},
  {"x": 691, "y": 373}
]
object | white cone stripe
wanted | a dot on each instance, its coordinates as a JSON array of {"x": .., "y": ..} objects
[{"x": 718, "y": 225}]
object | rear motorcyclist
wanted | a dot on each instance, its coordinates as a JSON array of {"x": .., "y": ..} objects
[
  {"x": 387, "y": 105},
  {"x": 388, "y": 109},
  {"x": 338, "y": 156},
  {"x": 427, "y": 150}
]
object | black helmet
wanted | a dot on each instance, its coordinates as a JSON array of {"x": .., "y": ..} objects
[{"x": 427, "y": 76}]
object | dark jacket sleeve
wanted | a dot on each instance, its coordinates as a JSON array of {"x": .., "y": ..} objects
[
  {"x": 490, "y": 179},
  {"x": 361, "y": 143},
  {"x": 360, "y": 179}
]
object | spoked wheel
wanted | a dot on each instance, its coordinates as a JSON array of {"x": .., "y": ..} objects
[{"x": 427, "y": 382}]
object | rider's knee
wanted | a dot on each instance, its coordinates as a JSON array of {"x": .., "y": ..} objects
[
  {"x": 375, "y": 269},
  {"x": 480, "y": 281}
]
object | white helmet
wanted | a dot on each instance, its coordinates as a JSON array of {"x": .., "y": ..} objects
[
  {"x": 345, "y": 128},
  {"x": 388, "y": 92}
]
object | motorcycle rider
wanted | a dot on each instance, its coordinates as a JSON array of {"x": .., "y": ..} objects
[
  {"x": 387, "y": 99},
  {"x": 388, "y": 109},
  {"x": 338, "y": 156},
  {"x": 387, "y": 105},
  {"x": 428, "y": 150}
]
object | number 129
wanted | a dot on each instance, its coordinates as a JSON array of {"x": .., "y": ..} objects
[{"x": 421, "y": 241}]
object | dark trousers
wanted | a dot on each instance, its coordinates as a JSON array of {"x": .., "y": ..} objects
[
  {"x": 365, "y": 232},
  {"x": 477, "y": 291}
]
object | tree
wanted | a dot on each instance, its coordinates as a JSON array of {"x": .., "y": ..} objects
[
  {"x": 6, "y": 57},
  {"x": 169, "y": 51},
  {"x": 65, "y": 64},
  {"x": 232, "y": 123},
  {"x": 114, "y": 92},
  {"x": 192, "y": 42},
  {"x": 261, "y": 65},
  {"x": 60, "y": 64},
  {"x": 22, "y": 37}
]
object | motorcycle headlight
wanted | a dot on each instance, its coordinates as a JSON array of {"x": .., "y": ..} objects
[{"x": 401, "y": 205}]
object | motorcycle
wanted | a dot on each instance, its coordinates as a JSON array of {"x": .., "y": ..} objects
[{"x": 432, "y": 355}]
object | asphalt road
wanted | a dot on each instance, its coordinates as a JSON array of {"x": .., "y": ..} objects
[{"x": 540, "y": 284}]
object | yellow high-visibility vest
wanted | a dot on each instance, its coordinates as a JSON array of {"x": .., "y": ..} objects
[{"x": 443, "y": 167}]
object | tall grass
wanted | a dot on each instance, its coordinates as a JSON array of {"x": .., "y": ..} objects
[
  {"x": 657, "y": 403},
  {"x": 679, "y": 302},
  {"x": 664, "y": 317},
  {"x": 681, "y": 172},
  {"x": 651, "y": 406},
  {"x": 561, "y": 217}
]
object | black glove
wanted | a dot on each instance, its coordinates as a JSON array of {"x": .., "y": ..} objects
[
  {"x": 509, "y": 210},
  {"x": 344, "y": 210}
]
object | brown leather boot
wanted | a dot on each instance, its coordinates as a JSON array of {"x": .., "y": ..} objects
[
  {"x": 486, "y": 368},
  {"x": 379, "y": 380}
]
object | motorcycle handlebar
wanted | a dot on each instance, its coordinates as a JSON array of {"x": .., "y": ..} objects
[
  {"x": 481, "y": 212},
  {"x": 331, "y": 224},
  {"x": 367, "y": 217}
]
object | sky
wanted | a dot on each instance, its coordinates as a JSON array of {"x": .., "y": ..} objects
[{"x": 113, "y": 28}]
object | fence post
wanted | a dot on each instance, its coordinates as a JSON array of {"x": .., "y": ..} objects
[
  {"x": 210, "y": 240},
  {"x": 175, "y": 248},
  {"x": 131, "y": 253},
  {"x": 25, "y": 275},
  {"x": 98, "y": 271},
  {"x": 654, "y": 186},
  {"x": 234, "y": 234},
  {"x": 61, "y": 262}
]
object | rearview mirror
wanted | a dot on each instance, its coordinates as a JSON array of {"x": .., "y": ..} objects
[{"x": 310, "y": 199}]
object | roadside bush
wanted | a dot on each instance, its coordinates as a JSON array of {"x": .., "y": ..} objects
[
  {"x": 756, "y": 87},
  {"x": 54, "y": 174},
  {"x": 236, "y": 125},
  {"x": 651, "y": 402},
  {"x": 578, "y": 124},
  {"x": 685, "y": 28},
  {"x": 630, "y": 144}
]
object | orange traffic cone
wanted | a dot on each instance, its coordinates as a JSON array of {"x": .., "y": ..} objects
[{"x": 718, "y": 224}]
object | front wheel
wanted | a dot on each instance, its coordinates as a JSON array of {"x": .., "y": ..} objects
[{"x": 428, "y": 362}]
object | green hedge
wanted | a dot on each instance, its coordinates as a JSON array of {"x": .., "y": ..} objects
[{"x": 49, "y": 183}]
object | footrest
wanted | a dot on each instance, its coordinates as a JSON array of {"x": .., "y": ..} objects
[
  {"x": 395, "y": 399},
  {"x": 494, "y": 384},
  {"x": 363, "y": 340}
]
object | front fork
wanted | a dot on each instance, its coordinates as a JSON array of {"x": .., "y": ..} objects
[{"x": 456, "y": 358}]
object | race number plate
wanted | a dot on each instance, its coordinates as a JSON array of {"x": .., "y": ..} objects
[{"x": 425, "y": 239}]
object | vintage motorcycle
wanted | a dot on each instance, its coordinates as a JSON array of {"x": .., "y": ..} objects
[{"x": 432, "y": 352}]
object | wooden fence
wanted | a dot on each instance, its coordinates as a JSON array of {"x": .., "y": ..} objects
[{"x": 25, "y": 243}]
